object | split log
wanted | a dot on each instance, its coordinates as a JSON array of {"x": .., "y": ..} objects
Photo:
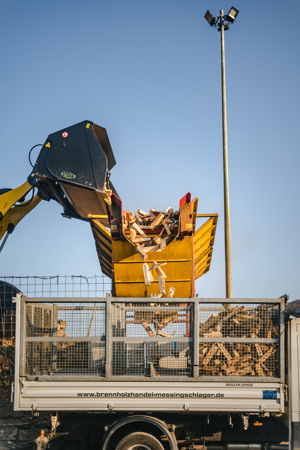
[
  {"x": 141, "y": 240},
  {"x": 211, "y": 321},
  {"x": 148, "y": 277},
  {"x": 166, "y": 321},
  {"x": 141, "y": 251},
  {"x": 142, "y": 213},
  {"x": 213, "y": 334},
  {"x": 162, "y": 333},
  {"x": 259, "y": 370},
  {"x": 266, "y": 355},
  {"x": 148, "y": 329},
  {"x": 138, "y": 217},
  {"x": 210, "y": 354},
  {"x": 158, "y": 269},
  {"x": 157, "y": 221},
  {"x": 224, "y": 351},
  {"x": 139, "y": 230},
  {"x": 171, "y": 292},
  {"x": 166, "y": 228}
]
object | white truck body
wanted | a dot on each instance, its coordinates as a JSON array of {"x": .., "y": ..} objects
[
  {"x": 110, "y": 369},
  {"x": 142, "y": 356}
]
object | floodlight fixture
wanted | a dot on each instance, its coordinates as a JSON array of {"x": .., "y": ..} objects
[
  {"x": 211, "y": 19},
  {"x": 231, "y": 16},
  {"x": 222, "y": 21}
]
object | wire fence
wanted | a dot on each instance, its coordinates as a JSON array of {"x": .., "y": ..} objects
[{"x": 45, "y": 286}]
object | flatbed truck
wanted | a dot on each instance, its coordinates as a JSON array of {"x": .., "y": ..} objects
[
  {"x": 138, "y": 369},
  {"x": 131, "y": 389}
]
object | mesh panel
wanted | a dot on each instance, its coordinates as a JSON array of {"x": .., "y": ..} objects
[
  {"x": 251, "y": 350},
  {"x": 39, "y": 321},
  {"x": 144, "y": 327},
  {"x": 151, "y": 339},
  {"x": 50, "y": 348},
  {"x": 152, "y": 359},
  {"x": 148, "y": 320},
  {"x": 77, "y": 358}
]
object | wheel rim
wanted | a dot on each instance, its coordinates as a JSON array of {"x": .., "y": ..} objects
[{"x": 139, "y": 447}]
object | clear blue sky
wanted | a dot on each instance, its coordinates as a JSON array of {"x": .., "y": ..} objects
[{"x": 149, "y": 72}]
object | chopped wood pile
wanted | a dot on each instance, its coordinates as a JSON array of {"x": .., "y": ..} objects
[
  {"x": 218, "y": 357},
  {"x": 7, "y": 362},
  {"x": 238, "y": 358},
  {"x": 142, "y": 224},
  {"x": 72, "y": 357}
]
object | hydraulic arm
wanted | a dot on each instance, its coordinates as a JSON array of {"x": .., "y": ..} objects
[{"x": 13, "y": 208}]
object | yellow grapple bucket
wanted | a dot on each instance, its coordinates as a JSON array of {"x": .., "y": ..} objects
[{"x": 188, "y": 255}]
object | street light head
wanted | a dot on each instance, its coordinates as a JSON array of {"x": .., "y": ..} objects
[
  {"x": 231, "y": 16},
  {"x": 210, "y": 18}
]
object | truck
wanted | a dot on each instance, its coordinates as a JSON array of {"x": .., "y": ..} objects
[{"x": 151, "y": 365}]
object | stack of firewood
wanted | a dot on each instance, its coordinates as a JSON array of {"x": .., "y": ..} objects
[
  {"x": 141, "y": 225},
  {"x": 72, "y": 355},
  {"x": 238, "y": 358},
  {"x": 246, "y": 356}
]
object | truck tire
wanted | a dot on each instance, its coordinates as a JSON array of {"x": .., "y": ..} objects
[{"x": 139, "y": 441}]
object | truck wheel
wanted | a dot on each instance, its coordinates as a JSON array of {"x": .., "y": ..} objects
[{"x": 139, "y": 441}]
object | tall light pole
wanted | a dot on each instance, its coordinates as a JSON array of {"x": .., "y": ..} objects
[{"x": 222, "y": 23}]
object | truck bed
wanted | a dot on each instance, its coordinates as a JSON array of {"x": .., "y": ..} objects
[{"x": 120, "y": 354}]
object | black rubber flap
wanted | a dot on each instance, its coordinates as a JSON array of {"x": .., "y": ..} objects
[{"x": 102, "y": 138}]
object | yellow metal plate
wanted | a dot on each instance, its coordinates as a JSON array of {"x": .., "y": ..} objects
[
  {"x": 8, "y": 199},
  {"x": 103, "y": 243},
  {"x": 128, "y": 270},
  {"x": 203, "y": 246}
]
